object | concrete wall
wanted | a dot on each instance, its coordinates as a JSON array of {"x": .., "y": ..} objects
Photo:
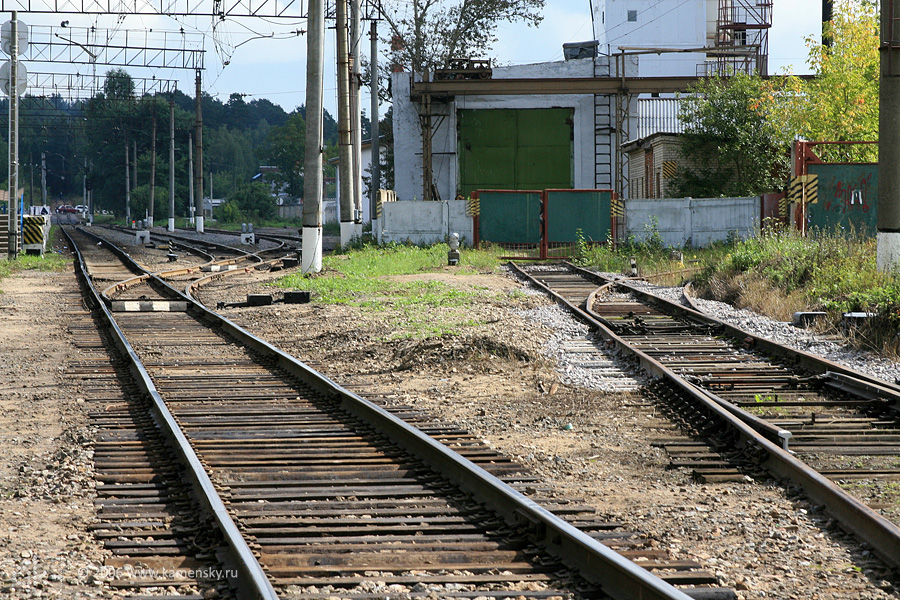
[
  {"x": 424, "y": 222},
  {"x": 698, "y": 220}
]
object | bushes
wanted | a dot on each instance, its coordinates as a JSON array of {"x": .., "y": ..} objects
[{"x": 833, "y": 271}]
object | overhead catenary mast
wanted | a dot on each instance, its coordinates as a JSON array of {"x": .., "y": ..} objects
[
  {"x": 345, "y": 149},
  {"x": 311, "y": 246}
]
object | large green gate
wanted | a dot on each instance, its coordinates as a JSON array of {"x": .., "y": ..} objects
[
  {"x": 515, "y": 149},
  {"x": 543, "y": 224}
]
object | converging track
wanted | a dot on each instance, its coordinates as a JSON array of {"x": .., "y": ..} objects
[
  {"x": 304, "y": 489},
  {"x": 756, "y": 406}
]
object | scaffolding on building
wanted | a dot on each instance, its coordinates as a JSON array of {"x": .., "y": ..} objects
[{"x": 742, "y": 38}]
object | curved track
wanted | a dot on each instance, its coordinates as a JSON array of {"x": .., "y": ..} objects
[
  {"x": 757, "y": 406},
  {"x": 317, "y": 492}
]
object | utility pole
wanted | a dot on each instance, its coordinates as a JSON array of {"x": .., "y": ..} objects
[
  {"x": 888, "y": 240},
  {"x": 13, "y": 194},
  {"x": 152, "y": 166},
  {"x": 44, "y": 178},
  {"x": 127, "y": 184},
  {"x": 356, "y": 114},
  {"x": 198, "y": 152},
  {"x": 311, "y": 245},
  {"x": 376, "y": 143},
  {"x": 191, "y": 206},
  {"x": 171, "y": 164},
  {"x": 345, "y": 174}
]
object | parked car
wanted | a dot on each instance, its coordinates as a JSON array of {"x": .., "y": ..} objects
[
  {"x": 82, "y": 208},
  {"x": 66, "y": 208}
]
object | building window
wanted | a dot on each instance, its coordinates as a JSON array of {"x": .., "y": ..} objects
[{"x": 632, "y": 16}]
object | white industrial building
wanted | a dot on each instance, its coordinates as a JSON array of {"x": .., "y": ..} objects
[{"x": 645, "y": 38}]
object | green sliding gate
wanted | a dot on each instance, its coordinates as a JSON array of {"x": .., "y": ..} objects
[{"x": 543, "y": 224}]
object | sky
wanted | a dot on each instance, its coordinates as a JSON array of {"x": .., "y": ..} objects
[{"x": 266, "y": 59}]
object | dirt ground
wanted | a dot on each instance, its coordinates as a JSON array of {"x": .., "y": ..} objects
[
  {"x": 492, "y": 375},
  {"x": 45, "y": 458}
]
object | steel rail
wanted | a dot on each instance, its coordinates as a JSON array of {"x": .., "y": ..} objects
[
  {"x": 774, "y": 433},
  {"x": 255, "y": 583},
  {"x": 855, "y": 517},
  {"x": 598, "y": 564},
  {"x": 189, "y": 243}
]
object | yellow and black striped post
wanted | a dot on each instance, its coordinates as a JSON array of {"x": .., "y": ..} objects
[
  {"x": 473, "y": 206},
  {"x": 33, "y": 234}
]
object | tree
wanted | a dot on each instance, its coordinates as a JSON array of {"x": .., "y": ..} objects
[
  {"x": 386, "y": 160},
  {"x": 431, "y": 32},
  {"x": 730, "y": 146},
  {"x": 118, "y": 85},
  {"x": 254, "y": 201},
  {"x": 285, "y": 149},
  {"x": 841, "y": 102}
]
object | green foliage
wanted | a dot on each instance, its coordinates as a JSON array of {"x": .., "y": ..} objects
[
  {"x": 249, "y": 202},
  {"x": 285, "y": 148},
  {"x": 350, "y": 277},
  {"x": 729, "y": 145},
  {"x": 831, "y": 270},
  {"x": 841, "y": 102},
  {"x": 581, "y": 248},
  {"x": 24, "y": 262},
  {"x": 433, "y": 33},
  {"x": 229, "y": 212}
]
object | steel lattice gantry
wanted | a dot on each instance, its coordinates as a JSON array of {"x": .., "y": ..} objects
[
  {"x": 126, "y": 48},
  {"x": 83, "y": 86},
  {"x": 291, "y": 9}
]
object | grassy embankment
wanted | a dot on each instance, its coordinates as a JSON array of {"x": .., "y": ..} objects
[
  {"x": 779, "y": 272},
  {"x": 775, "y": 273}
]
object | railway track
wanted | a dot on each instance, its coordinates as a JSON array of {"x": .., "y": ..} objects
[
  {"x": 754, "y": 407},
  {"x": 315, "y": 492}
]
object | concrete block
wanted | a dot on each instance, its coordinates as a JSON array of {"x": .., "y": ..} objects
[
  {"x": 259, "y": 299},
  {"x": 297, "y": 297},
  {"x": 806, "y": 318}
]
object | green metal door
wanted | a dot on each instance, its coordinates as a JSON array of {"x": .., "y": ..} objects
[{"x": 515, "y": 149}]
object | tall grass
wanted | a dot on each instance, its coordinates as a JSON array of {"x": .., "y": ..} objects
[{"x": 779, "y": 272}]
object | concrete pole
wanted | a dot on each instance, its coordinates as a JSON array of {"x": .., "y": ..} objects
[
  {"x": 13, "y": 196},
  {"x": 127, "y": 184},
  {"x": 152, "y": 167},
  {"x": 191, "y": 207},
  {"x": 171, "y": 165},
  {"x": 888, "y": 253},
  {"x": 356, "y": 114},
  {"x": 345, "y": 171},
  {"x": 311, "y": 246},
  {"x": 90, "y": 203},
  {"x": 376, "y": 146},
  {"x": 198, "y": 153},
  {"x": 44, "y": 178}
]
